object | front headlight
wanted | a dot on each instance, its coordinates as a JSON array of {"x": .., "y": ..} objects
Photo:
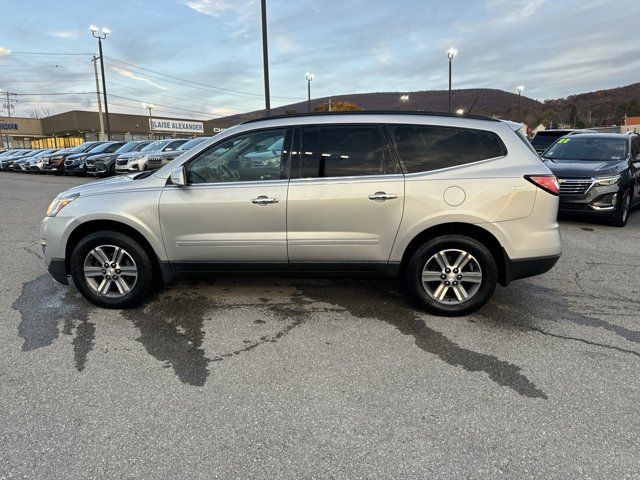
[
  {"x": 607, "y": 181},
  {"x": 59, "y": 203}
]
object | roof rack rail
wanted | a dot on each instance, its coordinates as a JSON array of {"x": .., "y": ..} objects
[{"x": 372, "y": 112}]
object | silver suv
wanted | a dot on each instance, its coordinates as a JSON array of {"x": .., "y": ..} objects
[{"x": 451, "y": 204}]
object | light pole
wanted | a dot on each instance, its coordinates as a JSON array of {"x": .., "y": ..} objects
[
  {"x": 452, "y": 52},
  {"x": 265, "y": 59},
  {"x": 103, "y": 36},
  {"x": 150, "y": 106},
  {"x": 309, "y": 77},
  {"x": 520, "y": 90}
]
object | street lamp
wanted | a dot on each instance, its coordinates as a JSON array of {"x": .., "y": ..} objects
[
  {"x": 150, "y": 106},
  {"x": 460, "y": 111},
  {"x": 104, "y": 33},
  {"x": 404, "y": 98},
  {"x": 520, "y": 90},
  {"x": 309, "y": 77},
  {"x": 452, "y": 52}
]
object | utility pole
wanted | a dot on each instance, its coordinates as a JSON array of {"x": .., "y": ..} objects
[
  {"x": 95, "y": 72},
  {"x": 8, "y": 106},
  {"x": 103, "y": 36},
  {"x": 265, "y": 59},
  {"x": 9, "y": 103}
]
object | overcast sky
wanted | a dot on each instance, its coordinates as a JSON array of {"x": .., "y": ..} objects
[{"x": 205, "y": 57}]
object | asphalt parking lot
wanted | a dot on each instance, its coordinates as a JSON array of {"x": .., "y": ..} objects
[{"x": 303, "y": 378}]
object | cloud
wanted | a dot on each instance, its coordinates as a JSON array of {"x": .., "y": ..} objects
[
  {"x": 133, "y": 76},
  {"x": 4, "y": 51},
  {"x": 382, "y": 53},
  {"x": 513, "y": 10},
  {"x": 66, "y": 34},
  {"x": 209, "y": 7}
]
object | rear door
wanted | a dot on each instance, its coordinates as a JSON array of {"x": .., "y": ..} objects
[{"x": 346, "y": 197}]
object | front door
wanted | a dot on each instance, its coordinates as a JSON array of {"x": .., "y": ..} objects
[
  {"x": 346, "y": 198},
  {"x": 233, "y": 209}
]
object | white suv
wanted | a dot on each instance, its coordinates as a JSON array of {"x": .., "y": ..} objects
[{"x": 451, "y": 204}]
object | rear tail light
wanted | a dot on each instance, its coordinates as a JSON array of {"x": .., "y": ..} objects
[{"x": 548, "y": 183}]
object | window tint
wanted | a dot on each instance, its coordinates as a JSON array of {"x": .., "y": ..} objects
[
  {"x": 341, "y": 151},
  {"x": 174, "y": 145},
  {"x": 251, "y": 157},
  {"x": 424, "y": 148},
  {"x": 635, "y": 148},
  {"x": 113, "y": 148}
]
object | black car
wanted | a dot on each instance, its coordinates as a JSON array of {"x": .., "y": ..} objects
[
  {"x": 54, "y": 163},
  {"x": 599, "y": 174},
  {"x": 76, "y": 164},
  {"x": 105, "y": 164},
  {"x": 545, "y": 138}
]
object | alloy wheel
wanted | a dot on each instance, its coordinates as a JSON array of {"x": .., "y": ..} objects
[
  {"x": 110, "y": 271},
  {"x": 452, "y": 276}
]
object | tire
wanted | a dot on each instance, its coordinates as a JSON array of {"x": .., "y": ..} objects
[
  {"x": 621, "y": 213},
  {"x": 478, "y": 277},
  {"x": 89, "y": 274}
]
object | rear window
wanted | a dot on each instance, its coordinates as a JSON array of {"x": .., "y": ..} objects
[
  {"x": 543, "y": 140},
  {"x": 422, "y": 148}
]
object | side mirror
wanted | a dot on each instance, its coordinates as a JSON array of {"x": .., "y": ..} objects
[{"x": 178, "y": 176}]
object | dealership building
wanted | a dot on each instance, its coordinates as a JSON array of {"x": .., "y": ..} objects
[{"x": 72, "y": 128}]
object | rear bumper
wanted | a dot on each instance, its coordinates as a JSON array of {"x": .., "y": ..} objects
[{"x": 527, "y": 267}]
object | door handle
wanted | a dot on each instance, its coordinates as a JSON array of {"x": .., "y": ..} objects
[
  {"x": 382, "y": 196},
  {"x": 263, "y": 200}
]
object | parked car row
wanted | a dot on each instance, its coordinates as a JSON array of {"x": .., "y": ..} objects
[{"x": 98, "y": 158}]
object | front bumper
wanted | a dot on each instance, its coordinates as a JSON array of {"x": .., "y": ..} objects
[
  {"x": 75, "y": 169},
  {"x": 58, "y": 270},
  {"x": 597, "y": 200}
]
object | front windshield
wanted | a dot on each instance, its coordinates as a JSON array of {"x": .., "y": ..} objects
[
  {"x": 588, "y": 148},
  {"x": 192, "y": 143},
  {"x": 127, "y": 147},
  {"x": 155, "y": 146},
  {"x": 100, "y": 148},
  {"x": 84, "y": 147}
]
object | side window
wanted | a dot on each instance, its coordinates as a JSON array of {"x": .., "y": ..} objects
[
  {"x": 172, "y": 146},
  {"x": 422, "y": 148},
  {"x": 113, "y": 148},
  {"x": 635, "y": 148},
  {"x": 250, "y": 157},
  {"x": 343, "y": 151}
]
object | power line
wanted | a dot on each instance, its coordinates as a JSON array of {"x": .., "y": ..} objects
[{"x": 214, "y": 87}]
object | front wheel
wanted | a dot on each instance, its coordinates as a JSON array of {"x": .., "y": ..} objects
[
  {"x": 621, "y": 213},
  {"x": 111, "y": 270},
  {"x": 451, "y": 275}
]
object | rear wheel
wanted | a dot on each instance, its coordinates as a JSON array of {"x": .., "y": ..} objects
[
  {"x": 111, "y": 270},
  {"x": 621, "y": 213},
  {"x": 451, "y": 275}
]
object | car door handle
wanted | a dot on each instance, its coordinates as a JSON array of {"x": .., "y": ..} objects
[
  {"x": 264, "y": 200},
  {"x": 382, "y": 196}
]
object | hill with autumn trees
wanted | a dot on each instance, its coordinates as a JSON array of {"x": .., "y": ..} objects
[{"x": 602, "y": 107}]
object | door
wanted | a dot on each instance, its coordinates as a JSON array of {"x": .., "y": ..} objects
[
  {"x": 233, "y": 208},
  {"x": 346, "y": 197}
]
